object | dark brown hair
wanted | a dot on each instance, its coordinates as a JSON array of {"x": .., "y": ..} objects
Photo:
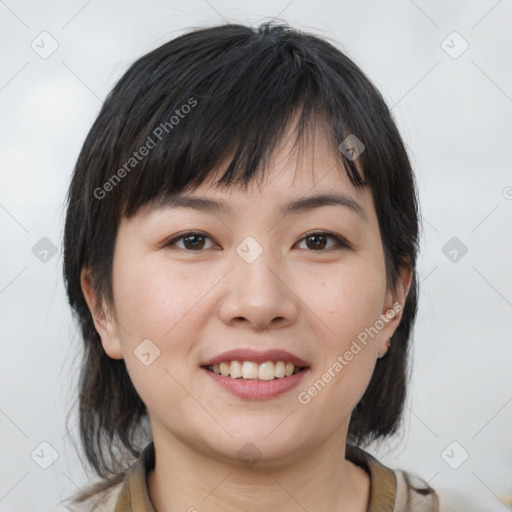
[{"x": 213, "y": 93}]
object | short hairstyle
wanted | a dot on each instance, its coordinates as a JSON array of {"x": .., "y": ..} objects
[{"x": 215, "y": 93}]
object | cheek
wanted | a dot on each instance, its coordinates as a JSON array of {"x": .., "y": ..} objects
[
  {"x": 159, "y": 302},
  {"x": 353, "y": 304},
  {"x": 349, "y": 302},
  {"x": 153, "y": 298},
  {"x": 349, "y": 305},
  {"x": 155, "y": 302}
]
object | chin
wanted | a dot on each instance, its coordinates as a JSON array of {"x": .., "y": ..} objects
[{"x": 262, "y": 444}]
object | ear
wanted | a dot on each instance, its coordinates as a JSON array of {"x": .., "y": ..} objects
[
  {"x": 393, "y": 307},
  {"x": 104, "y": 321}
]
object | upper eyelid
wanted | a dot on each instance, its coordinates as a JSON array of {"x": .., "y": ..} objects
[{"x": 340, "y": 240}]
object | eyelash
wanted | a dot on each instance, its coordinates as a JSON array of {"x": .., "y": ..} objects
[{"x": 340, "y": 242}]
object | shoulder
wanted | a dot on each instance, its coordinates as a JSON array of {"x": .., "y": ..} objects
[
  {"x": 105, "y": 500},
  {"x": 414, "y": 494},
  {"x": 394, "y": 490},
  {"x": 401, "y": 490}
]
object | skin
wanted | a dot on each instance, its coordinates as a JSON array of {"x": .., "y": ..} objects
[{"x": 196, "y": 303}]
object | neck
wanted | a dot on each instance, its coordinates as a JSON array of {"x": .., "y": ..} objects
[{"x": 320, "y": 480}]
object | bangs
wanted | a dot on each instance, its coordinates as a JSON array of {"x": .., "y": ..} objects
[{"x": 180, "y": 114}]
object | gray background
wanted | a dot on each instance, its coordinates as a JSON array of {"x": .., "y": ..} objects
[{"x": 454, "y": 111}]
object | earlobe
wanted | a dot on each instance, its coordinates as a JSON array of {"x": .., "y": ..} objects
[
  {"x": 393, "y": 312},
  {"x": 104, "y": 321},
  {"x": 384, "y": 351}
]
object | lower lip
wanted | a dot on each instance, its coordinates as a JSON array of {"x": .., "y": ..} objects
[{"x": 257, "y": 389}]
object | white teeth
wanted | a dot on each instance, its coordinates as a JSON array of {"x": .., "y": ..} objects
[
  {"x": 250, "y": 370},
  {"x": 266, "y": 371},
  {"x": 224, "y": 369},
  {"x": 280, "y": 369},
  {"x": 235, "y": 370}
]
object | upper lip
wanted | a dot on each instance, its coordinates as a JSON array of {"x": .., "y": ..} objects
[{"x": 256, "y": 356}]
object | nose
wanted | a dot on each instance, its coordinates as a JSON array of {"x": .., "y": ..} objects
[{"x": 258, "y": 295}]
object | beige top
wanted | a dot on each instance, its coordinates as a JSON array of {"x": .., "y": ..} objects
[{"x": 390, "y": 491}]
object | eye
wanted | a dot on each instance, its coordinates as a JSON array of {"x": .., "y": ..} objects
[
  {"x": 317, "y": 241},
  {"x": 193, "y": 241},
  {"x": 196, "y": 241}
]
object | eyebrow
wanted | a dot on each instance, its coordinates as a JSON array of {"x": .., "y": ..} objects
[{"x": 294, "y": 206}]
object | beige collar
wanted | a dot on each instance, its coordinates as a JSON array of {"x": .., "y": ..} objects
[{"x": 134, "y": 496}]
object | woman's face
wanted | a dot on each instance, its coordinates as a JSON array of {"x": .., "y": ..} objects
[{"x": 270, "y": 284}]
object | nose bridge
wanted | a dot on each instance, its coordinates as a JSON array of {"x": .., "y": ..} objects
[
  {"x": 256, "y": 266},
  {"x": 257, "y": 292}
]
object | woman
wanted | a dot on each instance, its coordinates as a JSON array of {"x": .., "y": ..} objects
[{"x": 240, "y": 251}]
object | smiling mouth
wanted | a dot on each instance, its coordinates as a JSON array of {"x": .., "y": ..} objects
[{"x": 249, "y": 370}]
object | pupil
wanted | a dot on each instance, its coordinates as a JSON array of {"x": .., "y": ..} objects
[
  {"x": 188, "y": 238},
  {"x": 316, "y": 237}
]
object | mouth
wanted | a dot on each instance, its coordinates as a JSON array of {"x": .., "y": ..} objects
[
  {"x": 251, "y": 370},
  {"x": 277, "y": 368}
]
